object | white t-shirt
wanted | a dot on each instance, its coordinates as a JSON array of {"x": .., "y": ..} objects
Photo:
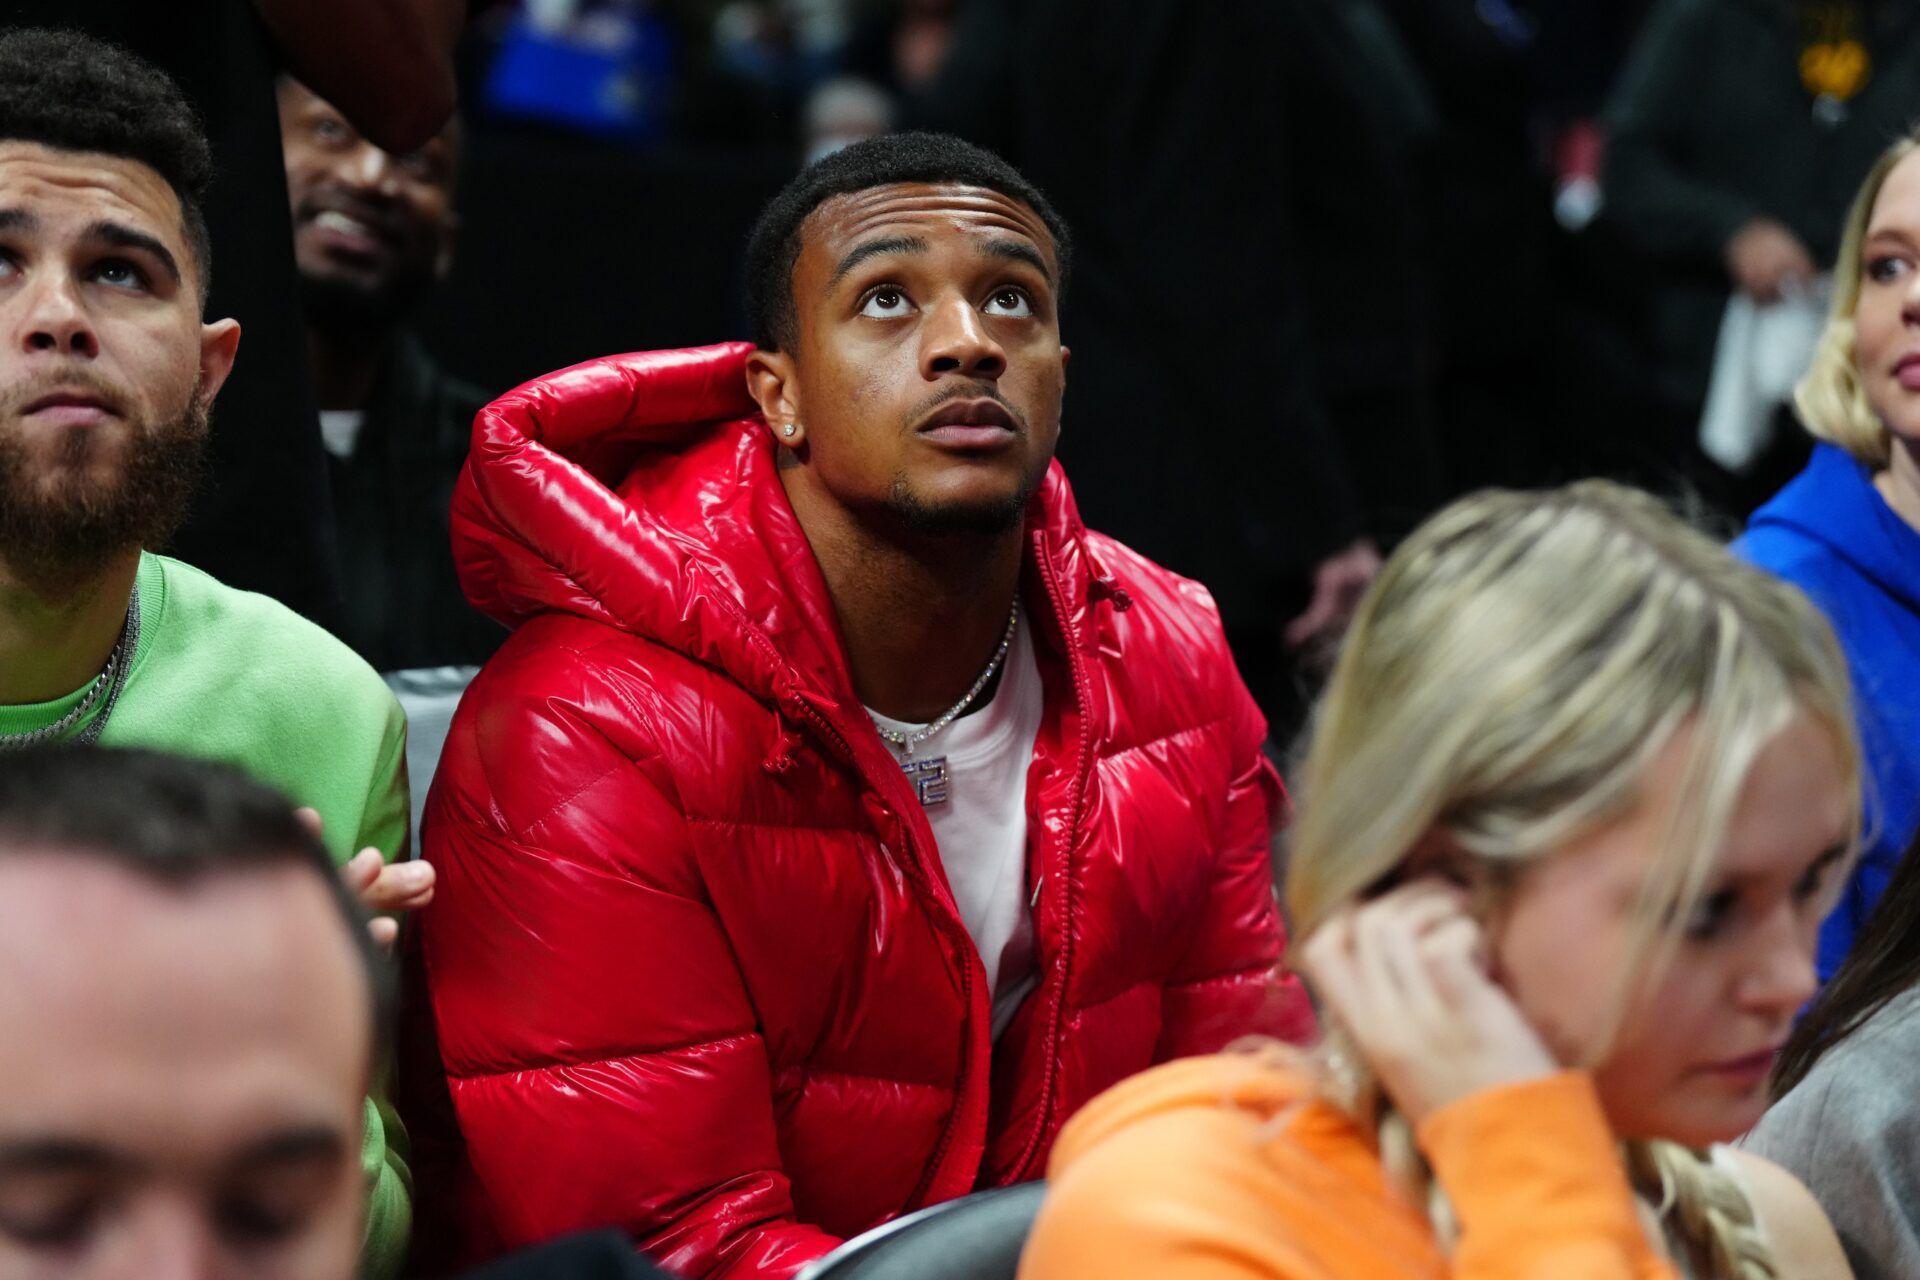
[
  {"x": 981, "y": 829},
  {"x": 340, "y": 430}
]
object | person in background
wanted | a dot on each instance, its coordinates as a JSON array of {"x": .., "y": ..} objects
[
  {"x": 108, "y": 376},
  {"x": 373, "y": 232},
  {"x": 1737, "y": 132},
  {"x": 1577, "y": 796},
  {"x": 1847, "y": 529},
  {"x": 842, "y": 813},
  {"x": 1846, "y": 1123},
  {"x": 841, "y": 112},
  {"x": 191, "y": 1012},
  {"x": 1276, "y": 145}
]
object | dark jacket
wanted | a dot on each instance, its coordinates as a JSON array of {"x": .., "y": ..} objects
[
  {"x": 404, "y": 607},
  {"x": 1711, "y": 127}
]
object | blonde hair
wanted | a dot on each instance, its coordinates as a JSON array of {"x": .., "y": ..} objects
[
  {"x": 1507, "y": 680},
  {"x": 1830, "y": 399}
]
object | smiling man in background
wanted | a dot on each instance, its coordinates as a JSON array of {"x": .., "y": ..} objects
[
  {"x": 373, "y": 232},
  {"x": 842, "y": 814}
]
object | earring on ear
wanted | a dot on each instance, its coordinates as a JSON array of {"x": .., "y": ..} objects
[{"x": 789, "y": 429}]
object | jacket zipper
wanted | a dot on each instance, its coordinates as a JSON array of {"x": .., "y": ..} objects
[{"x": 1083, "y": 764}]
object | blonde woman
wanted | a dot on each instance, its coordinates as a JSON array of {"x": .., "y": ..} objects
[
  {"x": 1847, "y": 529},
  {"x": 1578, "y": 796}
]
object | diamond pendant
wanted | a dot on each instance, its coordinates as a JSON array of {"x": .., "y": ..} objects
[{"x": 929, "y": 779}]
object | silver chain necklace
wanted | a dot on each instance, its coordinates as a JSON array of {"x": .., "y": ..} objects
[
  {"x": 929, "y": 776},
  {"x": 104, "y": 692}
]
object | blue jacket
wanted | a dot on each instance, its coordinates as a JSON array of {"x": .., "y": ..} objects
[{"x": 1830, "y": 533}]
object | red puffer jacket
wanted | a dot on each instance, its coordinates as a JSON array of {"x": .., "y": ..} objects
[{"x": 693, "y": 965}]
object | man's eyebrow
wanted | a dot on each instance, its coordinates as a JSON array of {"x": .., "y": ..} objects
[
  {"x": 873, "y": 249},
  {"x": 121, "y": 236},
  {"x": 1018, "y": 251},
  {"x": 17, "y": 220},
  {"x": 54, "y": 1155}
]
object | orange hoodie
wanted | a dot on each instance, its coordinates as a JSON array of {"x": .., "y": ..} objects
[{"x": 1226, "y": 1168}]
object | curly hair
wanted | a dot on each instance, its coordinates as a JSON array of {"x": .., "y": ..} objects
[
  {"x": 73, "y": 92},
  {"x": 773, "y": 246}
]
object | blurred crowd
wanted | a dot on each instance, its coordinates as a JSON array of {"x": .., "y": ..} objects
[{"x": 1448, "y": 222}]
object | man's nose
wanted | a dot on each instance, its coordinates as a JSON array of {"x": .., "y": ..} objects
[
  {"x": 170, "y": 1238},
  {"x": 955, "y": 340},
  {"x": 372, "y": 170},
  {"x": 55, "y": 319}
]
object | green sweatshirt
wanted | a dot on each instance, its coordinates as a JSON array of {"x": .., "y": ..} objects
[{"x": 228, "y": 675}]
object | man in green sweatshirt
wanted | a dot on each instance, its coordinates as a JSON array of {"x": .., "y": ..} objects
[{"x": 107, "y": 377}]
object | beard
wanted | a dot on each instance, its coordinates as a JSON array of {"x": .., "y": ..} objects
[
  {"x": 61, "y": 524},
  {"x": 987, "y": 517}
]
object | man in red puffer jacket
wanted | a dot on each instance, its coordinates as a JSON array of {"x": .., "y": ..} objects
[{"x": 841, "y": 814}]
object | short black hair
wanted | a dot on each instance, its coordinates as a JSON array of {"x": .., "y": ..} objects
[
  {"x": 73, "y": 92},
  {"x": 773, "y": 246},
  {"x": 177, "y": 822}
]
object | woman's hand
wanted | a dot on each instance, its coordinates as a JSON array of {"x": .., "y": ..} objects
[{"x": 1406, "y": 975}]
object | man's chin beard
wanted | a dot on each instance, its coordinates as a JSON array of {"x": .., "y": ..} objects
[
  {"x": 57, "y": 541},
  {"x": 986, "y": 518}
]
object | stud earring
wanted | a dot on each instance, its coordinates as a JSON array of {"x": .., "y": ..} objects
[{"x": 789, "y": 429}]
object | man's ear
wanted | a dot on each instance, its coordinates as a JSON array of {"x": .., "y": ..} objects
[
  {"x": 219, "y": 343},
  {"x": 775, "y": 387},
  {"x": 1066, "y": 355}
]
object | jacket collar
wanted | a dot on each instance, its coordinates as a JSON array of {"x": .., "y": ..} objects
[
  {"x": 1833, "y": 503},
  {"x": 641, "y": 491}
]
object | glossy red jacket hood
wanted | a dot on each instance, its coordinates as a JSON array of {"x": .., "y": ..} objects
[{"x": 708, "y": 575}]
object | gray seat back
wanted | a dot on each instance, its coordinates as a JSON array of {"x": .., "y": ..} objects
[{"x": 976, "y": 1237}]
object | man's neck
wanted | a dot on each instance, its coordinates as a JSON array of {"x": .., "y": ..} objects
[
  {"x": 922, "y": 616},
  {"x": 346, "y": 363},
  {"x": 52, "y": 646}
]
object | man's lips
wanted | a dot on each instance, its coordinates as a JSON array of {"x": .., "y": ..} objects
[
  {"x": 360, "y": 237},
  {"x": 70, "y": 408},
  {"x": 970, "y": 424}
]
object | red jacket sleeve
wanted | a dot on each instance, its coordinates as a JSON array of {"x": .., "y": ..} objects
[
  {"x": 601, "y": 1053},
  {"x": 1232, "y": 982}
]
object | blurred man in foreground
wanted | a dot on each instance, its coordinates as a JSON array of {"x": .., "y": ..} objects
[
  {"x": 187, "y": 1020},
  {"x": 190, "y": 1013}
]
